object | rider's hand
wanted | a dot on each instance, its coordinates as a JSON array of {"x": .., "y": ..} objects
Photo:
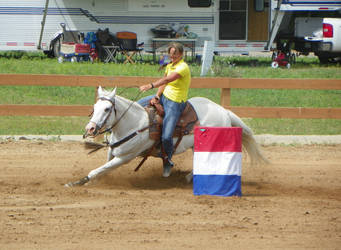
[
  {"x": 146, "y": 87},
  {"x": 155, "y": 100}
]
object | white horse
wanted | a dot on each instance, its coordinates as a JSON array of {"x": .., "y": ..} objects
[{"x": 128, "y": 120}]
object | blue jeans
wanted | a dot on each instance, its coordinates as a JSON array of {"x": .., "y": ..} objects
[
  {"x": 145, "y": 100},
  {"x": 173, "y": 111}
]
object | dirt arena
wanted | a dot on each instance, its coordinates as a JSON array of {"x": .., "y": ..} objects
[{"x": 295, "y": 203}]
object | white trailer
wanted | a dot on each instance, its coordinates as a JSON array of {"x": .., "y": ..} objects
[
  {"x": 234, "y": 26},
  {"x": 33, "y": 24}
]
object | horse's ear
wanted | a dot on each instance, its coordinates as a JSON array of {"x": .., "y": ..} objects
[
  {"x": 100, "y": 92},
  {"x": 112, "y": 94}
]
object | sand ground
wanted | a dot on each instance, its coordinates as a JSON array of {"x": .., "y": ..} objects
[{"x": 294, "y": 203}]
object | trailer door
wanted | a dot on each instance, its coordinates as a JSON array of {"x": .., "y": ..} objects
[{"x": 258, "y": 22}]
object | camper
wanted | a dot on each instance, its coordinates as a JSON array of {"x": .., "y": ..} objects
[{"x": 234, "y": 26}]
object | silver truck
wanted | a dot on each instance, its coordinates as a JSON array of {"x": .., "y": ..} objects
[
  {"x": 307, "y": 26},
  {"x": 319, "y": 35}
]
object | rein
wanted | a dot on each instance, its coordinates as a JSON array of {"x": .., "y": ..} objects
[{"x": 127, "y": 138}]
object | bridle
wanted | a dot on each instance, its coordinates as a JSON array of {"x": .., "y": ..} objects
[{"x": 113, "y": 107}]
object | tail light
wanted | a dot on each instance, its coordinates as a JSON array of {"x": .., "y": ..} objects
[{"x": 327, "y": 30}]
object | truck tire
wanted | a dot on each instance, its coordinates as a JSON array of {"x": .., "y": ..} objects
[{"x": 329, "y": 57}]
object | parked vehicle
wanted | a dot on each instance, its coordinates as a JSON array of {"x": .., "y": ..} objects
[
  {"x": 307, "y": 27},
  {"x": 234, "y": 26},
  {"x": 319, "y": 35}
]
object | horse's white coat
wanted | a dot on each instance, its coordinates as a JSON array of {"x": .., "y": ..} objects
[{"x": 209, "y": 113}]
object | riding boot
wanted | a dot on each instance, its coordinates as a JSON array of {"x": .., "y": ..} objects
[
  {"x": 167, "y": 163},
  {"x": 167, "y": 167}
]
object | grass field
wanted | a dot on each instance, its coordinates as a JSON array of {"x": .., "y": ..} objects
[{"x": 244, "y": 67}]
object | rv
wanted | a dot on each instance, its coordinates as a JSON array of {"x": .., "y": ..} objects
[{"x": 234, "y": 26}]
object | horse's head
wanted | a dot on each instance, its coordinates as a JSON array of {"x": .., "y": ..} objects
[{"x": 104, "y": 113}]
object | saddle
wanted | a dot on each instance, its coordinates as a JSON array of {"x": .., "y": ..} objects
[{"x": 184, "y": 126}]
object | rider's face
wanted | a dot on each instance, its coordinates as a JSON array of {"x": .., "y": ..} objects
[{"x": 174, "y": 55}]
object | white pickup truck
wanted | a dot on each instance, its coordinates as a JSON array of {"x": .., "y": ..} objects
[{"x": 319, "y": 35}]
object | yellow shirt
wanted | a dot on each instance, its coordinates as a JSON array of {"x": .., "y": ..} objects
[{"x": 177, "y": 91}]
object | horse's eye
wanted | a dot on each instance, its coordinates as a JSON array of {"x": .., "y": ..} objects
[{"x": 107, "y": 110}]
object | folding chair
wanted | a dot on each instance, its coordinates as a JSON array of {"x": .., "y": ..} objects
[
  {"x": 110, "y": 53},
  {"x": 129, "y": 47}
]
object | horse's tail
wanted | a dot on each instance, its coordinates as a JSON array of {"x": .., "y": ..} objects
[
  {"x": 94, "y": 146},
  {"x": 248, "y": 140}
]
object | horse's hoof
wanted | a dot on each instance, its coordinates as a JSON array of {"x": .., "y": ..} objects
[
  {"x": 70, "y": 184},
  {"x": 81, "y": 182}
]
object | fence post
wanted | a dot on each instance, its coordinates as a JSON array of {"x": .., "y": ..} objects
[{"x": 225, "y": 97}]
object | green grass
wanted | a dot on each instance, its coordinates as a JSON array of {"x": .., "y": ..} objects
[
  {"x": 42, "y": 125},
  {"x": 295, "y": 126},
  {"x": 245, "y": 67}
]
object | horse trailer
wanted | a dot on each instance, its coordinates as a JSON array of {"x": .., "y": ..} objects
[{"x": 234, "y": 26}]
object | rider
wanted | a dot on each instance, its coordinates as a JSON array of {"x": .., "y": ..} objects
[{"x": 172, "y": 94}]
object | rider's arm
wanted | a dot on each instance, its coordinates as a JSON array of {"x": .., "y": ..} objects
[
  {"x": 166, "y": 79},
  {"x": 160, "y": 91},
  {"x": 162, "y": 81}
]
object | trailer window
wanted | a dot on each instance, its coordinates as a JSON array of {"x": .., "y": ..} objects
[
  {"x": 199, "y": 3},
  {"x": 259, "y": 5},
  {"x": 232, "y": 19}
]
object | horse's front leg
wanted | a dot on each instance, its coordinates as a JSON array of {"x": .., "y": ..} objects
[{"x": 109, "y": 166}]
